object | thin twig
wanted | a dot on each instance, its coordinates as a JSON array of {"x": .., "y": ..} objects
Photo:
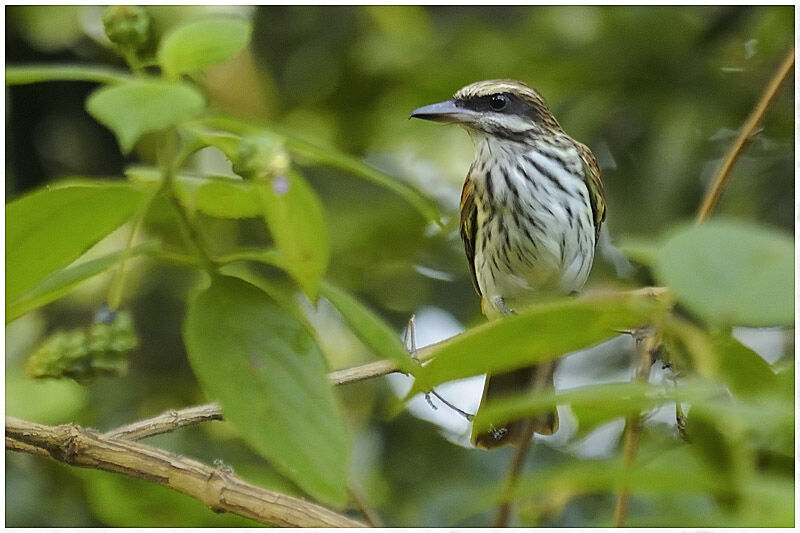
[
  {"x": 745, "y": 136},
  {"x": 647, "y": 343},
  {"x": 544, "y": 377},
  {"x": 197, "y": 414},
  {"x": 218, "y": 488},
  {"x": 166, "y": 422},
  {"x": 376, "y": 368}
]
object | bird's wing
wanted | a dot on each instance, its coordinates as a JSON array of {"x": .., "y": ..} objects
[
  {"x": 595, "y": 186},
  {"x": 469, "y": 225}
]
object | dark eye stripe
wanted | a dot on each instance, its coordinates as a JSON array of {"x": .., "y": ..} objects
[{"x": 487, "y": 103}]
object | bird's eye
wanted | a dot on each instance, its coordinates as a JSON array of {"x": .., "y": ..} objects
[{"x": 498, "y": 102}]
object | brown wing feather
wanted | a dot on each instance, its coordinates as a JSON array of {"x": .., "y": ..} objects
[
  {"x": 595, "y": 186},
  {"x": 469, "y": 225}
]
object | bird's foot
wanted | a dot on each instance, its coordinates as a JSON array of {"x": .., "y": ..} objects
[
  {"x": 466, "y": 415},
  {"x": 500, "y": 305}
]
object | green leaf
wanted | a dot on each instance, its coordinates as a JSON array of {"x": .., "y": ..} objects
[
  {"x": 731, "y": 273},
  {"x": 52, "y": 227},
  {"x": 743, "y": 370},
  {"x": 200, "y": 44},
  {"x": 63, "y": 281},
  {"x": 25, "y": 74},
  {"x": 229, "y": 144},
  {"x": 227, "y": 199},
  {"x": 45, "y": 401},
  {"x": 369, "y": 327},
  {"x": 765, "y": 420},
  {"x": 217, "y": 196},
  {"x": 296, "y": 221},
  {"x": 537, "y": 334},
  {"x": 674, "y": 471},
  {"x": 137, "y": 107},
  {"x": 593, "y": 405},
  {"x": 771, "y": 501},
  {"x": 268, "y": 374}
]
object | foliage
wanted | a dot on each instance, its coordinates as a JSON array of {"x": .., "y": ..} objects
[{"x": 253, "y": 256}]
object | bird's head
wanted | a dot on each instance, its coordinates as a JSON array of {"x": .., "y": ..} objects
[{"x": 505, "y": 108}]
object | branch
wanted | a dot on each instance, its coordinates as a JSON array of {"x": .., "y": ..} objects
[
  {"x": 218, "y": 488},
  {"x": 745, "y": 136}
]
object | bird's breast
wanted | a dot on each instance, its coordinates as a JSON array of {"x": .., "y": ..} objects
[{"x": 534, "y": 223}]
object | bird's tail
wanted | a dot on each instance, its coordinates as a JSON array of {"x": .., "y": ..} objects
[{"x": 538, "y": 378}]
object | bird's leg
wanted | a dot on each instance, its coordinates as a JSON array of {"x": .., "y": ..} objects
[
  {"x": 466, "y": 415},
  {"x": 410, "y": 342}
]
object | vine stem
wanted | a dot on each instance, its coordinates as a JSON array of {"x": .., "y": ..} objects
[
  {"x": 748, "y": 131},
  {"x": 646, "y": 344},
  {"x": 514, "y": 470}
]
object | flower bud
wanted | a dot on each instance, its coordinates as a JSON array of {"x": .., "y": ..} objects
[
  {"x": 127, "y": 26},
  {"x": 261, "y": 158}
]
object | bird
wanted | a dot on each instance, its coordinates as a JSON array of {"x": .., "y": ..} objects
[{"x": 531, "y": 210}]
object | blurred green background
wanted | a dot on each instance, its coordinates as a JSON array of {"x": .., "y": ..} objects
[{"x": 658, "y": 93}]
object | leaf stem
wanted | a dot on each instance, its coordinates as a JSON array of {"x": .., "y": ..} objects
[
  {"x": 177, "y": 258},
  {"x": 118, "y": 282},
  {"x": 370, "y": 514},
  {"x": 171, "y": 159},
  {"x": 27, "y": 74},
  {"x": 746, "y": 134}
]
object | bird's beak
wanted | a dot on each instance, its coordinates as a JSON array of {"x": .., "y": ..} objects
[{"x": 447, "y": 111}]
